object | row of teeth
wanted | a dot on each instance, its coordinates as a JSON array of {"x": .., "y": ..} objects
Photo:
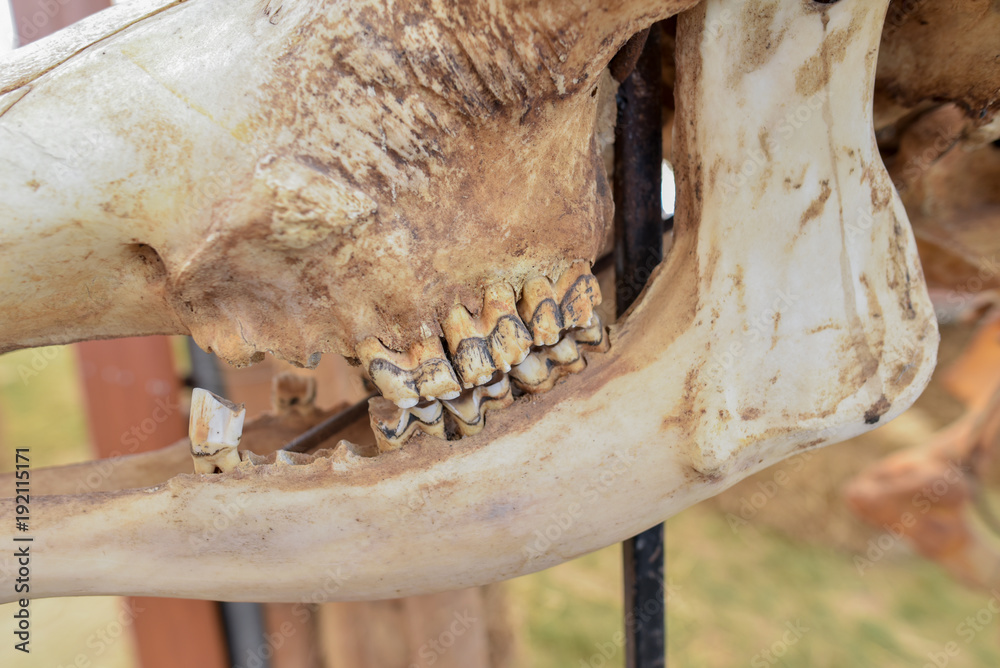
[
  {"x": 465, "y": 414},
  {"x": 499, "y": 339},
  {"x": 510, "y": 348}
]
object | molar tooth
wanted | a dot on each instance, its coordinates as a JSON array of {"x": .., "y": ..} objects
[
  {"x": 541, "y": 369},
  {"x": 593, "y": 338},
  {"x": 508, "y": 338},
  {"x": 393, "y": 425},
  {"x": 421, "y": 373},
  {"x": 539, "y": 309},
  {"x": 467, "y": 413},
  {"x": 215, "y": 430},
  {"x": 579, "y": 294},
  {"x": 469, "y": 350}
]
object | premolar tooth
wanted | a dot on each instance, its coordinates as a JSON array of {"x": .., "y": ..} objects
[
  {"x": 539, "y": 309},
  {"x": 215, "y": 430},
  {"x": 467, "y": 413},
  {"x": 579, "y": 294},
  {"x": 393, "y": 425},
  {"x": 508, "y": 338},
  {"x": 421, "y": 373},
  {"x": 495, "y": 339},
  {"x": 469, "y": 351}
]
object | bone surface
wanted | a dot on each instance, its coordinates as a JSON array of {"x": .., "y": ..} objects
[{"x": 790, "y": 313}]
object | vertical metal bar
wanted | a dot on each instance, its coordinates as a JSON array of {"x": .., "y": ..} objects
[
  {"x": 638, "y": 249},
  {"x": 246, "y": 636}
]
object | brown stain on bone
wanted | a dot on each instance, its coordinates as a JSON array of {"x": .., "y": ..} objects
[{"x": 816, "y": 206}]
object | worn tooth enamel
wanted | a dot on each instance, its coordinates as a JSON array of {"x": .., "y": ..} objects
[
  {"x": 393, "y": 425},
  {"x": 539, "y": 310},
  {"x": 407, "y": 378},
  {"x": 215, "y": 430},
  {"x": 470, "y": 352},
  {"x": 495, "y": 339},
  {"x": 541, "y": 369},
  {"x": 579, "y": 294},
  {"x": 508, "y": 338},
  {"x": 592, "y": 338},
  {"x": 467, "y": 413}
]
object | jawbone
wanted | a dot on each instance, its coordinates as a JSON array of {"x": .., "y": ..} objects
[{"x": 790, "y": 314}]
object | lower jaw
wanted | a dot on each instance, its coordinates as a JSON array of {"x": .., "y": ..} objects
[{"x": 767, "y": 330}]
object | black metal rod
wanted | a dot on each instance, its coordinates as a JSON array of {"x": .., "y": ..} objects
[
  {"x": 313, "y": 436},
  {"x": 246, "y": 635},
  {"x": 638, "y": 249}
]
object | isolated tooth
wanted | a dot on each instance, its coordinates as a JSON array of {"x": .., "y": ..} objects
[
  {"x": 539, "y": 309},
  {"x": 593, "y": 338},
  {"x": 215, "y": 430},
  {"x": 393, "y": 425},
  {"x": 421, "y": 373},
  {"x": 579, "y": 293},
  {"x": 467, "y": 413},
  {"x": 541, "y": 369}
]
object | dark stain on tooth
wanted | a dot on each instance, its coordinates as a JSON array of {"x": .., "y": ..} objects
[
  {"x": 546, "y": 305},
  {"x": 509, "y": 327},
  {"x": 381, "y": 368},
  {"x": 433, "y": 370},
  {"x": 578, "y": 302},
  {"x": 471, "y": 357}
]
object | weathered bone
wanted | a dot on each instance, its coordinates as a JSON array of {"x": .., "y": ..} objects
[{"x": 790, "y": 312}]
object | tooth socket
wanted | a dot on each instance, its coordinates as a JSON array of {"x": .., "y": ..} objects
[
  {"x": 466, "y": 415},
  {"x": 496, "y": 339},
  {"x": 541, "y": 369},
  {"x": 393, "y": 426},
  {"x": 420, "y": 374},
  {"x": 593, "y": 339}
]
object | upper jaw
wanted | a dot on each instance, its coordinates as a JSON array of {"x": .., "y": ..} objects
[{"x": 790, "y": 313}]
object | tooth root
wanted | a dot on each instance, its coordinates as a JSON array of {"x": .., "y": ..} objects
[
  {"x": 467, "y": 413},
  {"x": 593, "y": 338},
  {"x": 215, "y": 430},
  {"x": 539, "y": 309},
  {"x": 579, "y": 294},
  {"x": 393, "y": 426},
  {"x": 540, "y": 370},
  {"x": 420, "y": 374}
]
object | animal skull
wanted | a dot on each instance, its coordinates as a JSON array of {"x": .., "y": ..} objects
[{"x": 302, "y": 178}]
